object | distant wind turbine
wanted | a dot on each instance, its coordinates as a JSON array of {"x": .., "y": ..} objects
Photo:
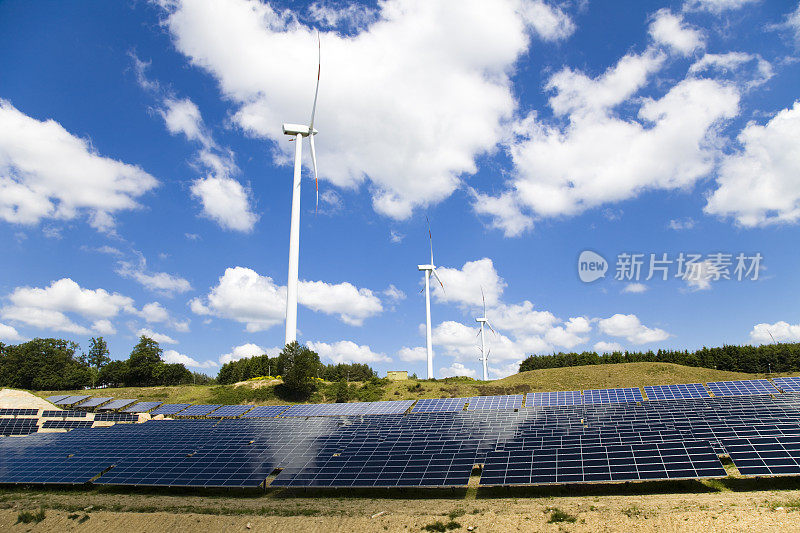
[
  {"x": 484, "y": 354},
  {"x": 299, "y": 131},
  {"x": 429, "y": 269}
]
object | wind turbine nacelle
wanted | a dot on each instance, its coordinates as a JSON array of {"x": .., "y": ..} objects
[
  {"x": 425, "y": 267},
  {"x": 297, "y": 129},
  {"x": 481, "y": 320}
]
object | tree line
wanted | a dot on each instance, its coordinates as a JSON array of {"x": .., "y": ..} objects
[
  {"x": 264, "y": 365},
  {"x": 781, "y": 357},
  {"x": 57, "y": 364}
]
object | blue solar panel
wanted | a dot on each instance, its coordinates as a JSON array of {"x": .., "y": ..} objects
[
  {"x": 116, "y": 404},
  {"x": 674, "y": 392},
  {"x": 353, "y": 409},
  {"x": 432, "y": 405},
  {"x": 765, "y": 456},
  {"x": 18, "y": 426},
  {"x": 63, "y": 414},
  {"x": 230, "y": 411},
  {"x": 141, "y": 407},
  {"x": 494, "y": 403},
  {"x": 265, "y": 411},
  {"x": 93, "y": 402},
  {"x": 18, "y": 412},
  {"x": 745, "y": 387},
  {"x": 547, "y": 399},
  {"x": 70, "y": 400},
  {"x": 621, "y": 395},
  {"x": 169, "y": 409},
  {"x": 198, "y": 410},
  {"x": 56, "y": 397},
  {"x": 788, "y": 384},
  {"x": 67, "y": 424}
]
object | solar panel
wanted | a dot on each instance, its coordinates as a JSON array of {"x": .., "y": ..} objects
[
  {"x": 546, "y": 399},
  {"x": 354, "y": 408},
  {"x": 659, "y": 460},
  {"x": 431, "y": 405},
  {"x": 141, "y": 407},
  {"x": 67, "y": 424},
  {"x": 18, "y": 426},
  {"x": 116, "y": 404},
  {"x": 169, "y": 409},
  {"x": 70, "y": 400},
  {"x": 788, "y": 384},
  {"x": 198, "y": 410},
  {"x": 56, "y": 397},
  {"x": 93, "y": 402},
  {"x": 494, "y": 403},
  {"x": 230, "y": 411},
  {"x": 674, "y": 392},
  {"x": 621, "y": 395},
  {"x": 742, "y": 388},
  {"x": 265, "y": 411},
  {"x": 765, "y": 456},
  {"x": 19, "y": 412},
  {"x": 63, "y": 414},
  {"x": 116, "y": 417}
]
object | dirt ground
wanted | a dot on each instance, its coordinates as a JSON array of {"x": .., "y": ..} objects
[{"x": 724, "y": 505}]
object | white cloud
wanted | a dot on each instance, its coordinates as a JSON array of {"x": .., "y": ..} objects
[
  {"x": 155, "y": 313},
  {"x": 595, "y": 157},
  {"x": 396, "y": 237},
  {"x": 779, "y": 331},
  {"x": 172, "y": 356},
  {"x": 635, "y": 288},
  {"x": 183, "y": 116},
  {"x": 226, "y": 202},
  {"x": 629, "y": 327},
  {"x": 104, "y": 327},
  {"x": 457, "y": 369},
  {"x": 569, "y": 335},
  {"x": 505, "y": 370},
  {"x": 670, "y": 30},
  {"x": 160, "y": 282},
  {"x": 521, "y": 319},
  {"x": 265, "y": 60},
  {"x": 505, "y": 211},
  {"x": 750, "y": 70},
  {"x": 417, "y": 353},
  {"x": 247, "y": 350},
  {"x": 256, "y": 301},
  {"x": 47, "y": 173},
  {"x": 716, "y": 6},
  {"x": 793, "y": 22},
  {"x": 347, "y": 352},
  {"x": 463, "y": 286},
  {"x": 158, "y": 337},
  {"x": 456, "y": 340},
  {"x": 9, "y": 334},
  {"x": 607, "y": 347},
  {"x": 698, "y": 276},
  {"x": 758, "y": 184},
  {"x": 681, "y": 224},
  {"x": 351, "y": 304}
]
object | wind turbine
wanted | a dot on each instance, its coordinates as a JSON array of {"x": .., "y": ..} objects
[
  {"x": 299, "y": 131},
  {"x": 429, "y": 269},
  {"x": 483, "y": 321}
]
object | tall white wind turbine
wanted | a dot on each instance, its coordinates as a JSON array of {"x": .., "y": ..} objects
[
  {"x": 429, "y": 269},
  {"x": 483, "y": 321},
  {"x": 299, "y": 131}
]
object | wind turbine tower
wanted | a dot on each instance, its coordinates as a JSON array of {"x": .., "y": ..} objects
[
  {"x": 298, "y": 131},
  {"x": 430, "y": 270},
  {"x": 483, "y": 321}
]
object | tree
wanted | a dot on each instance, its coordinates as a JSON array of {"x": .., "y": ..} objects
[
  {"x": 97, "y": 356},
  {"x": 300, "y": 366},
  {"x": 114, "y": 374},
  {"x": 143, "y": 363},
  {"x": 43, "y": 364},
  {"x": 342, "y": 392}
]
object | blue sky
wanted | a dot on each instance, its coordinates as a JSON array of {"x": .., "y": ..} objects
[{"x": 145, "y": 182}]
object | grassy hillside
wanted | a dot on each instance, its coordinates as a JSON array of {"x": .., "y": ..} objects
[{"x": 550, "y": 379}]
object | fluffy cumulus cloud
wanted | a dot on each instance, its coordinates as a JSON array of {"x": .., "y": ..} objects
[
  {"x": 590, "y": 154},
  {"x": 778, "y": 332},
  {"x": 172, "y": 356},
  {"x": 47, "y": 308},
  {"x": 457, "y": 369},
  {"x": 9, "y": 334},
  {"x": 671, "y": 31},
  {"x": 417, "y": 353},
  {"x": 607, "y": 347},
  {"x": 407, "y": 56},
  {"x": 464, "y": 285},
  {"x": 258, "y": 302},
  {"x": 347, "y": 352},
  {"x": 717, "y": 6},
  {"x": 225, "y": 201},
  {"x": 635, "y": 288},
  {"x": 244, "y": 351},
  {"x": 160, "y": 282},
  {"x": 748, "y": 70},
  {"x": 158, "y": 337},
  {"x": 759, "y": 184},
  {"x": 48, "y": 173},
  {"x": 631, "y": 329}
]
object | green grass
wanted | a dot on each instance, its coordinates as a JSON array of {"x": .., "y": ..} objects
[
  {"x": 558, "y": 516},
  {"x": 27, "y": 517},
  {"x": 441, "y": 526}
]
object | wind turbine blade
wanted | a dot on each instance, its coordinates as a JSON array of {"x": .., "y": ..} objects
[
  {"x": 484, "y": 302},
  {"x": 491, "y": 328},
  {"x": 314, "y": 163},
  {"x": 316, "y": 91},
  {"x": 437, "y": 278},
  {"x": 430, "y": 237}
]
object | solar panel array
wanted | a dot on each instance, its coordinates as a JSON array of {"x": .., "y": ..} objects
[
  {"x": 71, "y": 400},
  {"x": 746, "y": 387},
  {"x": 789, "y": 384},
  {"x": 549, "y": 399},
  {"x": 198, "y": 410},
  {"x": 675, "y": 392},
  {"x": 19, "y": 412},
  {"x": 265, "y": 411},
  {"x": 169, "y": 409},
  {"x": 56, "y": 397},
  {"x": 64, "y": 414},
  {"x": 115, "y": 417},
  {"x": 494, "y": 403},
  {"x": 440, "y": 405},
  {"x": 93, "y": 402},
  {"x": 116, "y": 404},
  {"x": 621, "y": 395},
  {"x": 230, "y": 411},
  {"x": 765, "y": 456},
  {"x": 351, "y": 409},
  {"x": 18, "y": 426},
  {"x": 67, "y": 424},
  {"x": 141, "y": 407}
]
